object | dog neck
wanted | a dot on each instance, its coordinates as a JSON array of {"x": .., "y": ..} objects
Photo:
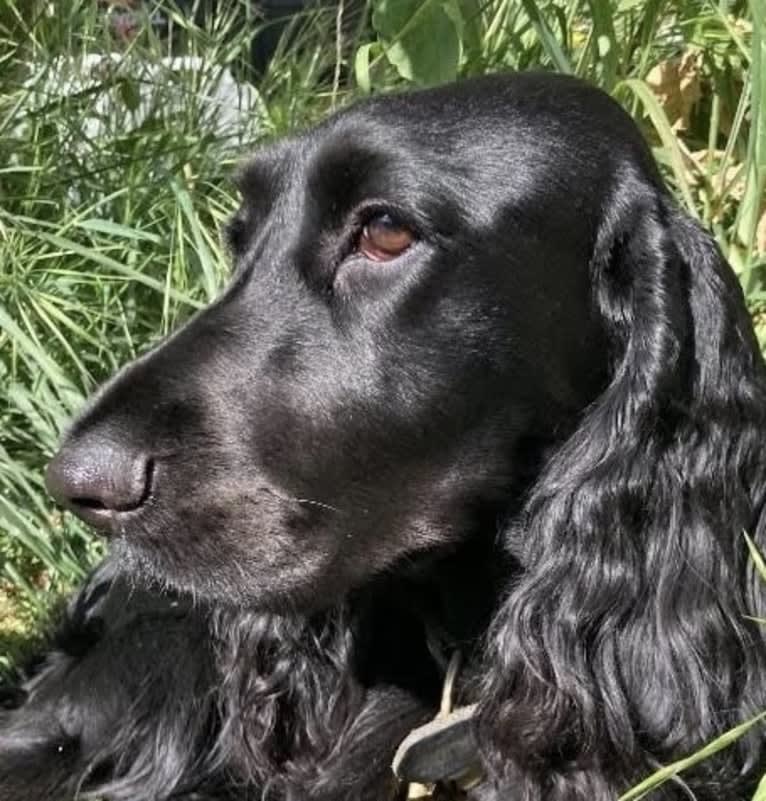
[{"x": 411, "y": 621}]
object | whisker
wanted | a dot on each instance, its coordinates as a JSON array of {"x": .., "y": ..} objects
[{"x": 309, "y": 502}]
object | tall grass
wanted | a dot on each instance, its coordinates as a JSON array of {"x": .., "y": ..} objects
[
  {"x": 114, "y": 180},
  {"x": 113, "y": 186}
]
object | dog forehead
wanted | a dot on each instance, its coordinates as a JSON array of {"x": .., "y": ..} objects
[
  {"x": 497, "y": 109},
  {"x": 501, "y": 112},
  {"x": 500, "y": 136},
  {"x": 471, "y": 150}
]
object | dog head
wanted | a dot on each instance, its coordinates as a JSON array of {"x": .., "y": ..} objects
[
  {"x": 409, "y": 322},
  {"x": 416, "y": 316}
]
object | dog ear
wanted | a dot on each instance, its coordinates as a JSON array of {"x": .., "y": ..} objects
[{"x": 626, "y": 642}]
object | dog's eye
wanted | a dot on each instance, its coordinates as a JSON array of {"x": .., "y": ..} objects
[{"x": 384, "y": 238}]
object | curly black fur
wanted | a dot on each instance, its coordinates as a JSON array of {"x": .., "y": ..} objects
[
  {"x": 145, "y": 696},
  {"x": 536, "y": 436},
  {"x": 626, "y": 642},
  {"x": 122, "y": 705}
]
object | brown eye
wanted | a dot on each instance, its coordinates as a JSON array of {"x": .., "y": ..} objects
[{"x": 384, "y": 238}]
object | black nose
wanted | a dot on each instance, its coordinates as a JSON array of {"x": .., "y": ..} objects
[{"x": 100, "y": 481}]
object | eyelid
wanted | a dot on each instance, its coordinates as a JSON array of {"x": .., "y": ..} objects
[
  {"x": 368, "y": 211},
  {"x": 375, "y": 208}
]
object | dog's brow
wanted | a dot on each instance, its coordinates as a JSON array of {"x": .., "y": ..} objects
[
  {"x": 343, "y": 172},
  {"x": 347, "y": 158},
  {"x": 255, "y": 179}
]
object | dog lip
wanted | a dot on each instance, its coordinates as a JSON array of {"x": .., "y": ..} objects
[
  {"x": 102, "y": 519},
  {"x": 107, "y": 522}
]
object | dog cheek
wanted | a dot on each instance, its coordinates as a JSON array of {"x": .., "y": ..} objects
[{"x": 261, "y": 545}]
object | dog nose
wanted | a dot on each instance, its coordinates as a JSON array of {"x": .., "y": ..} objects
[{"x": 99, "y": 481}]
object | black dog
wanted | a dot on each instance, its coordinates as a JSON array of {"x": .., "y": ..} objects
[{"x": 476, "y": 385}]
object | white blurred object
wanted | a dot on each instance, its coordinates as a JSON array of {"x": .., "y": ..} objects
[{"x": 120, "y": 93}]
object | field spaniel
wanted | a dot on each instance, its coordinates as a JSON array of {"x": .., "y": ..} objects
[{"x": 480, "y": 418}]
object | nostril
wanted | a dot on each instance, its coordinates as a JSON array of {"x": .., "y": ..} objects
[
  {"x": 87, "y": 503},
  {"x": 132, "y": 495},
  {"x": 98, "y": 480}
]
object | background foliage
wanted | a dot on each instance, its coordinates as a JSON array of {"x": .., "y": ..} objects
[{"x": 114, "y": 177}]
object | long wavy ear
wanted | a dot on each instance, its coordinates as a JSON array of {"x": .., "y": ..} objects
[{"x": 626, "y": 642}]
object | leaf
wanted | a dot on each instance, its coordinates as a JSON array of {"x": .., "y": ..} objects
[
  {"x": 467, "y": 15},
  {"x": 110, "y": 264},
  {"x": 420, "y": 38},
  {"x": 203, "y": 253},
  {"x": 752, "y": 204},
  {"x": 35, "y": 353},
  {"x": 606, "y": 40},
  {"x": 677, "y": 85},
  {"x": 362, "y": 66}
]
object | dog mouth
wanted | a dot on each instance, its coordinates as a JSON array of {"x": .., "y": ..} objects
[{"x": 107, "y": 522}]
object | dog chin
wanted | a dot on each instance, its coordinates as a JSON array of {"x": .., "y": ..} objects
[
  {"x": 152, "y": 570},
  {"x": 145, "y": 569}
]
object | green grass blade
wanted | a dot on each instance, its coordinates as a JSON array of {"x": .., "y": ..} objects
[
  {"x": 670, "y": 771},
  {"x": 549, "y": 41},
  {"x": 760, "y": 793},
  {"x": 208, "y": 264},
  {"x": 118, "y": 231},
  {"x": 69, "y": 246},
  {"x": 37, "y": 355},
  {"x": 665, "y": 132},
  {"x": 753, "y": 201}
]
